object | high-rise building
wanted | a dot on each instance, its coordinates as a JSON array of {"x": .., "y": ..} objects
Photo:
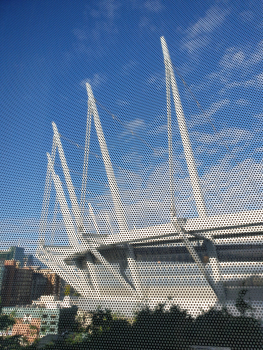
[
  {"x": 16, "y": 284},
  {"x": 22, "y": 285},
  {"x": 53, "y": 281},
  {"x": 2, "y": 267},
  {"x": 8, "y": 282},
  {"x": 13, "y": 253}
]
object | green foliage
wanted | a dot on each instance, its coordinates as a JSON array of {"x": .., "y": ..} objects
[
  {"x": 158, "y": 329},
  {"x": 67, "y": 320},
  {"x": 67, "y": 290},
  {"x": 219, "y": 328},
  {"x": 10, "y": 342},
  {"x": 241, "y": 304},
  {"x": 6, "y": 322}
]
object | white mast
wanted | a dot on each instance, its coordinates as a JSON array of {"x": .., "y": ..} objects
[
  {"x": 123, "y": 226},
  {"x": 189, "y": 156},
  {"x": 107, "y": 163},
  {"x": 71, "y": 191},
  {"x": 72, "y": 236},
  {"x": 94, "y": 219}
]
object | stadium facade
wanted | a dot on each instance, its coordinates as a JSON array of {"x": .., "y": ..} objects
[{"x": 193, "y": 262}]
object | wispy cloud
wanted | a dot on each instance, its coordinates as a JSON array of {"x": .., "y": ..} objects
[
  {"x": 156, "y": 79},
  {"x": 199, "y": 34},
  {"x": 242, "y": 102},
  {"x": 127, "y": 68},
  {"x": 158, "y": 130},
  {"x": 226, "y": 136},
  {"x": 122, "y": 103},
  {"x": 97, "y": 80},
  {"x": 134, "y": 126},
  {"x": 247, "y": 16},
  {"x": 205, "y": 117},
  {"x": 236, "y": 62},
  {"x": 105, "y": 8},
  {"x": 90, "y": 40},
  {"x": 153, "y": 6}
]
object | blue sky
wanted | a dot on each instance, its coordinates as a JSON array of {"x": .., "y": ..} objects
[{"x": 51, "y": 48}]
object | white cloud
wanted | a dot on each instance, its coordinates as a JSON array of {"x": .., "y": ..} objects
[
  {"x": 134, "y": 126},
  {"x": 153, "y": 5},
  {"x": 158, "y": 130},
  {"x": 242, "y": 102},
  {"x": 127, "y": 68},
  {"x": 105, "y": 9},
  {"x": 226, "y": 136},
  {"x": 156, "y": 79},
  {"x": 195, "y": 44},
  {"x": 205, "y": 117},
  {"x": 146, "y": 24},
  {"x": 213, "y": 18},
  {"x": 199, "y": 34},
  {"x": 247, "y": 15},
  {"x": 232, "y": 58},
  {"x": 259, "y": 78},
  {"x": 90, "y": 40},
  {"x": 96, "y": 81},
  {"x": 122, "y": 103},
  {"x": 236, "y": 62}
]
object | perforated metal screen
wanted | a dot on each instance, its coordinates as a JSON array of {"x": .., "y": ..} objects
[{"x": 132, "y": 154}]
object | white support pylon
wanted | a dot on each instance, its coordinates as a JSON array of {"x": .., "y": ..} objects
[
  {"x": 46, "y": 198},
  {"x": 107, "y": 163},
  {"x": 72, "y": 235},
  {"x": 94, "y": 219},
  {"x": 214, "y": 281},
  {"x": 170, "y": 138},
  {"x": 85, "y": 163},
  {"x": 189, "y": 156},
  {"x": 114, "y": 189},
  {"x": 71, "y": 191}
]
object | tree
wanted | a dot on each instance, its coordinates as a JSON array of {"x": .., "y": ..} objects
[
  {"x": 67, "y": 290},
  {"x": 67, "y": 320},
  {"x": 8, "y": 342},
  {"x": 241, "y": 304},
  {"x": 5, "y": 320}
]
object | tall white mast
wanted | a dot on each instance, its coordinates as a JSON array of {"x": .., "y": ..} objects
[
  {"x": 189, "y": 156},
  {"x": 107, "y": 163},
  {"x": 72, "y": 235},
  {"x": 71, "y": 190},
  {"x": 123, "y": 226}
]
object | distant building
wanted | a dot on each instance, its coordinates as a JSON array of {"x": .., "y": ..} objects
[
  {"x": 8, "y": 282},
  {"x": 52, "y": 302},
  {"x": 28, "y": 260},
  {"x": 48, "y": 315},
  {"x": 13, "y": 253},
  {"x": 53, "y": 281},
  {"x": 2, "y": 267},
  {"x": 45, "y": 321},
  {"x": 22, "y": 285},
  {"x": 39, "y": 283}
]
